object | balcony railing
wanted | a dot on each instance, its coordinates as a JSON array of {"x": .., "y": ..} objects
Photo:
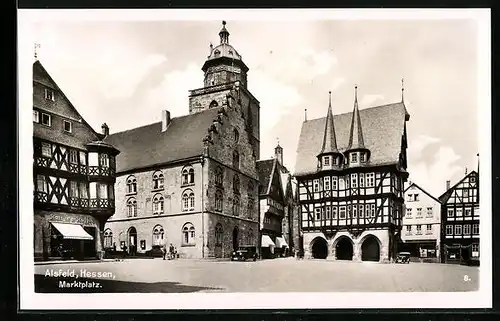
[
  {"x": 101, "y": 203},
  {"x": 100, "y": 171}
]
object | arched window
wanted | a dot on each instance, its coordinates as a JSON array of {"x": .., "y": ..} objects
[
  {"x": 218, "y": 234},
  {"x": 131, "y": 207},
  {"x": 219, "y": 199},
  {"x": 158, "y": 235},
  {"x": 158, "y": 180},
  {"x": 188, "y": 200},
  {"x": 158, "y": 204},
  {"x": 236, "y": 160},
  {"x": 108, "y": 238},
  {"x": 213, "y": 104},
  {"x": 236, "y": 184},
  {"x": 131, "y": 184},
  {"x": 250, "y": 237},
  {"x": 219, "y": 176},
  {"x": 236, "y": 206},
  {"x": 187, "y": 176},
  {"x": 188, "y": 234},
  {"x": 236, "y": 135}
]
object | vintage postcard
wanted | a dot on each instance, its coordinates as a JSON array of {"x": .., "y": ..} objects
[{"x": 222, "y": 159}]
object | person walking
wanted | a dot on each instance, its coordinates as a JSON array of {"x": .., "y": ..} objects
[
  {"x": 164, "y": 250},
  {"x": 171, "y": 251}
]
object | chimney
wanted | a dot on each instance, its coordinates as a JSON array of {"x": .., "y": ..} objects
[
  {"x": 448, "y": 185},
  {"x": 105, "y": 129},
  {"x": 165, "y": 120}
]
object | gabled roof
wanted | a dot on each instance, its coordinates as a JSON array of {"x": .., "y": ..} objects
[
  {"x": 446, "y": 195},
  {"x": 383, "y": 127},
  {"x": 50, "y": 134},
  {"x": 147, "y": 146},
  {"x": 265, "y": 171},
  {"x": 423, "y": 190}
]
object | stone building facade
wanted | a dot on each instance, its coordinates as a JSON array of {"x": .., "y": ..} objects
[{"x": 207, "y": 203}]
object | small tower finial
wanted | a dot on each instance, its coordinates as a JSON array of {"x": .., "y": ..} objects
[
  {"x": 224, "y": 34},
  {"x": 402, "y": 90},
  {"x": 465, "y": 170},
  {"x": 305, "y": 114},
  {"x": 330, "y": 99},
  {"x": 37, "y": 45},
  {"x": 356, "y": 94}
]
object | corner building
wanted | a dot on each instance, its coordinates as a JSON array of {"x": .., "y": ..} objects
[
  {"x": 191, "y": 181},
  {"x": 351, "y": 170},
  {"x": 73, "y": 176}
]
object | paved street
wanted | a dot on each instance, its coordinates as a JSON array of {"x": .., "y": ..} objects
[{"x": 278, "y": 275}]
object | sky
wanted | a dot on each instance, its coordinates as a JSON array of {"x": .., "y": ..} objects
[{"x": 125, "y": 73}]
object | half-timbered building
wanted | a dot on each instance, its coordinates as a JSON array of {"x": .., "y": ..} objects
[
  {"x": 350, "y": 171},
  {"x": 191, "y": 181},
  {"x": 421, "y": 234},
  {"x": 73, "y": 176},
  {"x": 460, "y": 221}
]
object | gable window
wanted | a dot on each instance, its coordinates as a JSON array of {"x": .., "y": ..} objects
[
  {"x": 415, "y": 197},
  {"x": 131, "y": 184},
  {"x": 467, "y": 229},
  {"x": 459, "y": 211},
  {"x": 429, "y": 228},
  {"x": 236, "y": 160},
  {"x": 49, "y": 94},
  {"x": 188, "y": 200},
  {"x": 219, "y": 176},
  {"x": 472, "y": 178},
  {"x": 158, "y": 204},
  {"x": 449, "y": 229},
  {"x": 158, "y": 180},
  {"x": 188, "y": 234},
  {"x": 354, "y": 180},
  {"x": 36, "y": 116},
  {"x": 187, "y": 176},
  {"x": 419, "y": 212},
  {"x": 326, "y": 182},
  {"x": 458, "y": 229},
  {"x": 108, "y": 239},
  {"x": 218, "y": 201},
  {"x": 354, "y": 158},
  {"x": 466, "y": 193},
  {"x": 429, "y": 212},
  {"x": 68, "y": 126},
  {"x": 475, "y": 229},
  {"x": 409, "y": 198},
  {"x": 342, "y": 212},
  {"x": 46, "y": 119},
  {"x": 218, "y": 234},
  {"x": 158, "y": 234},
  {"x": 131, "y": 207},
  {"x": 451, "y": 212},
  {"x": 370, "y": 179},
  {"x": 408, "y": 212},
  {"x": 316, "y": 185},
  {"x": 46, "y": 150}
]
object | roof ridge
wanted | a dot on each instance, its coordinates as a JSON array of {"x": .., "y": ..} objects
[{"x": 350, "y": 112}]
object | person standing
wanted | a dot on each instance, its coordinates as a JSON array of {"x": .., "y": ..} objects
[{"x": 164, "y": 250}]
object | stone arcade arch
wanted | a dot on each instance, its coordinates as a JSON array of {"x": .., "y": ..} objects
[
  {"x": 370, "y": 249},
  {"x": 344, "y": 248},
  {"x": 319, "y": 248}
]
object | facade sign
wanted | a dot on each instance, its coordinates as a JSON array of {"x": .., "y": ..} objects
[{"x": 78, "y": 219}]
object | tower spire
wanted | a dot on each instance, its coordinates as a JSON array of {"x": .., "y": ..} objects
[
  {"x": 356, "y": 140},
  {"x": 305, "y": 114},
  {"x": 224, "y": 34},
  {"x": 329, "y": 139}
]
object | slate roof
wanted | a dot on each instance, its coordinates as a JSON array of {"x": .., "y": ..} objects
[
  {"x": 148, "y": 146},
  {"x": 383, "y": 128},
  {"x": 265, "y": 171}
]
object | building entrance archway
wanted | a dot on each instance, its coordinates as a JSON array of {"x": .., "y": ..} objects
[
  {"x": 370, "y": 249},
  {"x": 344, "y": 249},
  {"x": 132, "y": 241},
  {"x": 235, "y": 239},
  {"x": 319, "y": 248}
]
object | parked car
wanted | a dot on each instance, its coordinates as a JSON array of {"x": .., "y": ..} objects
[
  {"x": 403, "y": 257},
  {"x": 245, "y": 253},
  {"x": 155, "y": 251}
]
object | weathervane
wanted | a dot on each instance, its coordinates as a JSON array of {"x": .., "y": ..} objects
[
  {"x": 402, "y": 89},
  {"x": 37, "y": 45}
]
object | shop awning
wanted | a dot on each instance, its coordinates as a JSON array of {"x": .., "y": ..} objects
[
  {"x": 267, "y": 242},
  {"x": 280, "y": 242},
  {"x": 72, "y": 231}
]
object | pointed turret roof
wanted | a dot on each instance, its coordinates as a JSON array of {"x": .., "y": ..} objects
[
  {"x": 356, "y": 140},
  {"x": 329, "y": 140}
]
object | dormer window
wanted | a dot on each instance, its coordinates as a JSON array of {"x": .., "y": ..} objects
[
  {"x": 49, "y": 94},
  {"x": 362, "y": 158},
  {"x": 326, "y": 160},
  {"x": 68, "y": 126},
  {"x": 354, "y": 158},
  {"x": 46, "y": 119}
]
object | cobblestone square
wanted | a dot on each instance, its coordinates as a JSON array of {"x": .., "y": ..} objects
[{"x": 278, "y": 275}]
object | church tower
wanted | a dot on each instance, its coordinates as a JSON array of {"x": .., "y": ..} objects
[{"x": 223, "y": 69}]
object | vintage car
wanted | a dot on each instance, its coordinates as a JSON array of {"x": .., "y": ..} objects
[
  {"x": 244, "y": 253},
  {"x": 403, "y": 257}
]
